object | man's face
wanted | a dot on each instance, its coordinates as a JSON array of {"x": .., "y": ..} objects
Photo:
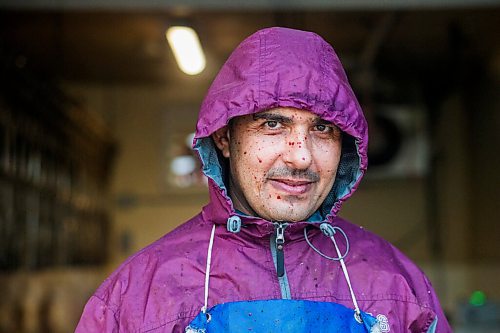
[{"x": 282, "y": 162}]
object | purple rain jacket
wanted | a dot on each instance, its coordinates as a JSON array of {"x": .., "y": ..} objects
[{"x": 161, "y": 288}]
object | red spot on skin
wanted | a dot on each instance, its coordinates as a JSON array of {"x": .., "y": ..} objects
[
  {"x": 303, "y": 158},
  {"x": 278, "y": 197},
  {"x": 260, "y": 161}
]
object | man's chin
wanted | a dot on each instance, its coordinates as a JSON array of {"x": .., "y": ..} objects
[{"x": 287, "y": 215}]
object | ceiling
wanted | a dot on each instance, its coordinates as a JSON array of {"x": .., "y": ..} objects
[
  {"x": 130, "y": 46},
  {"x": 242, "y": 4}
]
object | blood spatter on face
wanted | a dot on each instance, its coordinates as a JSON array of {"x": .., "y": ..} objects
[{"x": 250, "y": 168}]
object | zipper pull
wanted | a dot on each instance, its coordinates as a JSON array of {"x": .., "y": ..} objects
[{"x": 280, "y": 243}]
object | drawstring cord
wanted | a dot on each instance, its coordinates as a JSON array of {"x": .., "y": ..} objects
[
  {"x": 346, "y": 274},
  {"x": 207, "y": 270},
  {"x": 330, "y": 232}
]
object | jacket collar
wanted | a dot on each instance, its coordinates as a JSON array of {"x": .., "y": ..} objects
[{"x": 220, "y": 210}]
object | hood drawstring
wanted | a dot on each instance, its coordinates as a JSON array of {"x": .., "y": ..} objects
[
  {"x": 330, "y": 231},
  {"x": 207, "y": 271}
]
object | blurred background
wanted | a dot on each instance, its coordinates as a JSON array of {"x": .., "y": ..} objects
[{"x": 97, "y": 115}]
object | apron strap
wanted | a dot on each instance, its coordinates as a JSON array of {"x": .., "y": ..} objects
[
  {"x": 346, "y": 274},
  {"x": 340, "y": 259},
  {"x": 207, "y": 270}
]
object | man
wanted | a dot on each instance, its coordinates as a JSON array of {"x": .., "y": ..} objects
[{"x": 283, "y": 143}]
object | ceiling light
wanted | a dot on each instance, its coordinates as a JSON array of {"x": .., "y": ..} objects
[{"x": 186, "y": 46}]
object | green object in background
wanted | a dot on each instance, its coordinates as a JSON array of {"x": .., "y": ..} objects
[{"x": 477, "y": 298}]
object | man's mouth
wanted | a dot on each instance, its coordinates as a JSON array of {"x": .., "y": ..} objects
[{"x": 291, "y": 186}]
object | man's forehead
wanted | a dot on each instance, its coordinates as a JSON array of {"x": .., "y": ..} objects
[{"x": 289, "y": 114}]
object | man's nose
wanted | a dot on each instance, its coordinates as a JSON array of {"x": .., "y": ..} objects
[{"x": 298, "y": 153}]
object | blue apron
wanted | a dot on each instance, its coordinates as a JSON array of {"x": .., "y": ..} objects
[{"x": 280, "y": 315}]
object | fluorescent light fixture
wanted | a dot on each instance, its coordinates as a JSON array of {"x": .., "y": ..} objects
[{"x": 186, "y": 46}]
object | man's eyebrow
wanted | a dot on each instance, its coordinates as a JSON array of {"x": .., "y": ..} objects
[
  {"x": 272, "y": 116},
  {"x": 320, "y": 121}
]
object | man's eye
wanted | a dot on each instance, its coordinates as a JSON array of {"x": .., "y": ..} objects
[
  {"x": 323, "y": 128},
  {"x": 272, "y": 124}
]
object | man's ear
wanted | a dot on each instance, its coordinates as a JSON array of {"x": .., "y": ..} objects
[{"x": 221, "y": 139}]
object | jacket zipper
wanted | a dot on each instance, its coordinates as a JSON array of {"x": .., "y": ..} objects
[
  {"x": 280, "y": 243},
  {"x": 277, "y": 247}
]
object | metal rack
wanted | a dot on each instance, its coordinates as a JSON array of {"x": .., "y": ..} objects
[{"x": 54, "y": 165}]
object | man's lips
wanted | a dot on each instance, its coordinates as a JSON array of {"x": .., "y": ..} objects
[{"x": 291, "y": 186}]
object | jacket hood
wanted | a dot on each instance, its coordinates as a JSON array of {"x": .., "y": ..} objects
[{"x": 280, "y": 67}]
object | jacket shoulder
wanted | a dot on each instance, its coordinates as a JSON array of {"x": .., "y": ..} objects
[
  {"x": 151, "y": 278},
  {"x": 387, "y": 277},
  {"x": 388, "y": 265}
]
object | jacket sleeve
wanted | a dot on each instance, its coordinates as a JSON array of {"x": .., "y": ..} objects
[
  {"x": 440, "y": 323},
  {"x": 97, "y": 317}
]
